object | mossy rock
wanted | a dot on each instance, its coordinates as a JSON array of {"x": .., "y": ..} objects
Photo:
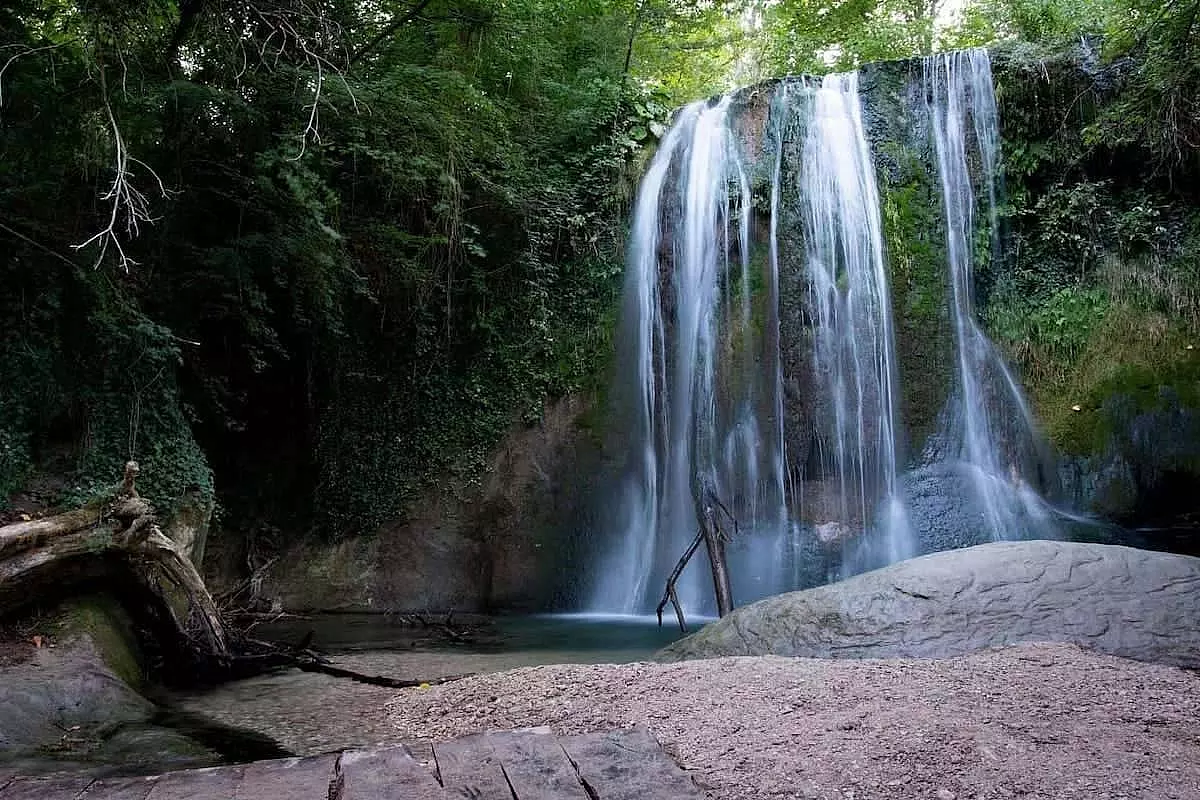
[
  {"x": 101, "y": 619},
  {"x": 1134, "y": 363},
  {"x": 77, "y": 704}
]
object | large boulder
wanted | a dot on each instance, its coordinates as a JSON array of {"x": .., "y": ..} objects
[
  {"x": 74, "y": 703},
  {"x": 1132, "y": 603}
]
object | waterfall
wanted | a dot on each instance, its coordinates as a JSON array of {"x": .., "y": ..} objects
[
  {"x": 625, "y": 576},
  {"x": 990, "y": 423},
  {"x": 854, "y": 345},
  {"x": 687, "y": 297},
  {"x": 760, "y": 367}
]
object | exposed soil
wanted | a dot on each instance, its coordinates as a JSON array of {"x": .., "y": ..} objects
[
  {"x": 18, "y": 643},
  {"x": 13, "y": 650},
  {"x": 1033, "y": 721}
]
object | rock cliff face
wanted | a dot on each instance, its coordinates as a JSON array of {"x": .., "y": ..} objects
[
  {"x": 505, "y": 542},
  {"x": 1118, "y": 600},
  {"x": 901, "y": 144},
  {"x": 1117, "y": 394},
  {"x": 514, "y": 539}
]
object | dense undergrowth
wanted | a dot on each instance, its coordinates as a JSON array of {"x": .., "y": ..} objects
[
  {"x": 1099, "y": 303},
  {"x": 346, "y": 253},
  {"x": 332, "y": 250}
]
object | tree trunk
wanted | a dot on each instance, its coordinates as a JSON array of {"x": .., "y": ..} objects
[
  {"x": 714, "y": 542},
  {"x": 707, "y": 507},
  {"x": 50, "y": 554}
]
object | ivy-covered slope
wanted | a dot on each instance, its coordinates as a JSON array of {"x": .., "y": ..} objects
[
  {"x": 369, "y": 254},
  {"x": 1099, "y": 303}
]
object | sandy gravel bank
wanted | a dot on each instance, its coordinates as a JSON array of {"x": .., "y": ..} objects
[{"x": 1032, "y": 721}]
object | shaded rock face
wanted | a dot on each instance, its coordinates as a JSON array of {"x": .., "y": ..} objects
[
  {"x": 938, "y": 497},
  {"x": 75, "y": 704},
  {"x": 1118, "y": 600},
  {"x": 1149, "y": 464},
  {"x": 188, "y": 526},
  {"x": 901, "y": 146},
  {"x": 502, "y": 543}
]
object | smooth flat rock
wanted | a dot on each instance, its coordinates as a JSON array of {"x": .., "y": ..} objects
[
  {"x": 422, "y": 753},
  {"x": 120, "y": 789},
  {"x": 528, "y": 764},
  {"x": 388, "y": 774},
  {"x": 288, "y": 779},
  {"x": 218, "y": 783},
  {"x": 628, "y": 765},
  {"x": 536, "y": 766},
  {"x": 469, "y": 767},
  {"x": 44, "y": 788},
  {"x": 1132, "y": 603}
]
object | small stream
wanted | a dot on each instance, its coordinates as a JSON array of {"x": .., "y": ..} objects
[{"x": 306, "y": 713}]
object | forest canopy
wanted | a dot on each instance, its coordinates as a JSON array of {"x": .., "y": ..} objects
[{"x": 327, "y": 249}]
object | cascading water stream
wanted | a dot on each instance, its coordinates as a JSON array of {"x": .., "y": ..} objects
[
  {"x": 680, "y": 431},
  {"x": 994, "y": 428},
  {"x": 855, "y": 352},
  {"x": 624, "y": 578}
]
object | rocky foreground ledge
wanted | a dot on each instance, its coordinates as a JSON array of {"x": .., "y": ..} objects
[
  {"x": 1131, "y": 603},
  {"x": 517, "y": 765}
]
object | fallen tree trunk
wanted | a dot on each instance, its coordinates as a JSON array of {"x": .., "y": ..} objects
[
  {"x": 47, "y": 555},
  {"x": 714, "y": 543},
  {"x": 319, "y": 666},
  {"x": 118, "y": 536},
  {"x": 26, "y": 535}
]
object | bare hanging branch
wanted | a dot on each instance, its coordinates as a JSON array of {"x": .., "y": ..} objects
[
  {"x": 129, "y": 207},
  {"x": 27, "y": 51},
  {"x": 308, "y": 33}
]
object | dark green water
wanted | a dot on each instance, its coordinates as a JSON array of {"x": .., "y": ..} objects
[{"x": 571, "y": 635}]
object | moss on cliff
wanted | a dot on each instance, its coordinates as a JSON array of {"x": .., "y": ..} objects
[
  {"x": 102, "y": 619},
  {"x": 1134, "y": 362},
  {"x": 924, "y": 340},
  {"x": 915, "y": 238}
]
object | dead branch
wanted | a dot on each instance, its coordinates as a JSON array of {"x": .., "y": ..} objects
[
  {"x": 709, "y": 510},
  {"x": 129, "y": 207},
  {"x": 252, "y": 582},
  {"x": 325, "y": 668},
  {"x": 669, "y": 594},
  {"x": 128, "y": 488},
  {"x": 37, "y": 244},
  {"x": 27, "y": 51},
  {"x": 307, "y": 32}
]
